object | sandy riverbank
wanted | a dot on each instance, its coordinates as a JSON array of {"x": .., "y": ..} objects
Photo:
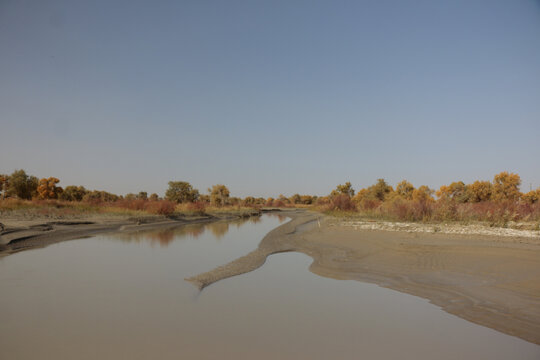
[
  {"x": 18, "y": 234},
  {"x": 489, "y": 280}
]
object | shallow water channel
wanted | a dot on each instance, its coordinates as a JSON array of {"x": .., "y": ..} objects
[{"x": 124, "y": 296}]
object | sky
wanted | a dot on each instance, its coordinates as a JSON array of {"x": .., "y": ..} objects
[{"x": 269, "y": 97}]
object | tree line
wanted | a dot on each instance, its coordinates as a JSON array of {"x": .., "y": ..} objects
[
  {"x": 497, "y": 201},
  {"x": 20, "y": 185},
  {"x": 504, "y": 187}
]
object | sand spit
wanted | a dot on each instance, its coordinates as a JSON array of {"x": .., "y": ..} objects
[
  {"x": 274, "y": 242},
  {"x": 490, "y": 280}
]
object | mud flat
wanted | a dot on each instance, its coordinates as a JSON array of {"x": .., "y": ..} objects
[
  {"x": 490, "y": 280},
  {"x": 18, "y": 234}
]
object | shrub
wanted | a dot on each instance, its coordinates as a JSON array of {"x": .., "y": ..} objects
[
  {"x": 73, "y": 193},
  {"x": 197, "y": 207},
  {"x": 160, "y": 207},
  {"x": 342, "y": 202}
]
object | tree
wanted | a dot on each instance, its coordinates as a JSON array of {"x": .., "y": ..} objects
[
  {"x": 380, "y": 189},
  {"x": 4, "y": 182},
  {"x": 47, "y": 188},
  {"x": 456, "y": 191},
  {"x": 345, "y": 189},
  {"x": 181, "y": 192},
  {"x": 154, "y": 197},
  {"x": 361, "y": 195},
  {"x": 22, "y": 185},
  {"x": 73, "y": 193},
  {"x": 480, "y": 191},
  {"x": 405, "y": 189},
  {"x": 204, "y": 198},
  {"x": 142, "y": 195},
  {"x": 306, "y": 199},
  {"x": 283, "y": 199},
  {"x": 295, "y": 199},
  {"x": 99, "y": 196},
  {"x": 506, "y": 186},
  {"x": 219, "y": 195},
  {"x": 532, "y": 196},
  {"x": 423, "y": 194}
]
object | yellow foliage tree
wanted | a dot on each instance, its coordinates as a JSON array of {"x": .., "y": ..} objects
[
  {"x": 380, "y": 190},
  {"x": 423, "y": 194},
  {"x": 506, "y": 186},
  {"x": 480, "y": 191},
  {"x": 532, "y": 196},
  {"x": 345, "y": 189},
  {"x": 360, "y": 195},
  {"x": 456, "y": 191},
  {"x": 405, "y": 189},
  {"x": 219, "y": 195},
  {"x": 47, "y": 188}
]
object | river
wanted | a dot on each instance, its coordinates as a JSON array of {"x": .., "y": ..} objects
[{"x": 123, "y": 296}]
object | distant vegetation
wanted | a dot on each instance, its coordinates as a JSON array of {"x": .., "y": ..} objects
[{"x": 498, "y": 202}]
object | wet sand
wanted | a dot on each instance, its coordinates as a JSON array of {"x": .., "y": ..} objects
[
  {"x": 489, "y": 280},
  {"x": 22, "y": 234}
]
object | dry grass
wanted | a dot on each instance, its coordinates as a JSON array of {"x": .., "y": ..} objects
[{"x": 133, "y": 207}]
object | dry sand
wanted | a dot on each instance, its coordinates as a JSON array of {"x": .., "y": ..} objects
[{"x": 489, "y": 280}]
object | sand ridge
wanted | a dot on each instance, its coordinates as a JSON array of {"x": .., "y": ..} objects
[{"x": 491, "y": 281}]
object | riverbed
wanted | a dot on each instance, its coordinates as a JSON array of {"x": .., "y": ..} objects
[{"x": 124, "y": 296}]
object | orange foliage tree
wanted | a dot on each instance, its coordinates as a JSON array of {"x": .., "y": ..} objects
[
  {"x": 47, "y": 188},
  {"x": 532, "y": 196},
  {"x": 423, "y": 194},
  {"x": 480, "y": 191},
  {"x": 506, "y": 186},
  {"x": 405, "y": 189},
  {"x": 456, "y": 191}
]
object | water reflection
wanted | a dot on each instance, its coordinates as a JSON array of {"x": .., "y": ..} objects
[
  {"x": 165, "y": 237},
  {"x": 279, "y": 216},
  {"x": 106, "y": 298}
]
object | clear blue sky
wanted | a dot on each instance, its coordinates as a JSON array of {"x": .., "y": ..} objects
[{"x": 269, "y": 97}]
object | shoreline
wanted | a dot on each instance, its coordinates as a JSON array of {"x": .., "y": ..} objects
[
  {"x": 442, "y": 228},
  {"x": 492, "y": 281},
  {"x": 21, "y": 234},
  {"x": 487, "y": 279}
]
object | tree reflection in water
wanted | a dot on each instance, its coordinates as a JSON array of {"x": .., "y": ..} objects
[{"x": 163, "y": 237}]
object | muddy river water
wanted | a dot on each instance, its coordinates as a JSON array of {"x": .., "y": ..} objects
[{"x": 123, "y": 296}]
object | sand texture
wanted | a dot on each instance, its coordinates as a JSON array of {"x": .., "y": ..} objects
[{"x": 490, "y": 280}]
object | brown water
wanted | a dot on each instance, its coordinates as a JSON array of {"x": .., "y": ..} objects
[{"x": 124, "y": 297}]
